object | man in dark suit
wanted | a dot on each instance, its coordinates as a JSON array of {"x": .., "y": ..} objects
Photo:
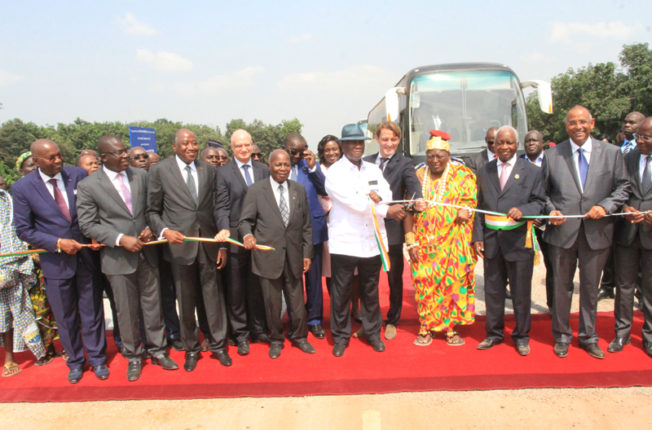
[
  {"x": 181, "y": 202},
  {"x": 486, "y": 155},
  {"x": 306, "y": 171},
  {"x": 585, "y": 176},
  {"x": 111, "y": 208},
  {"x": 276, "y": 212},
  {"x": 399, "y": 173},
  {"x": 634, "y": 244},
  {"x": 243, "y": 295},
  {"x": 45, "y": 216},
  {"x": 513, "y": 186}
]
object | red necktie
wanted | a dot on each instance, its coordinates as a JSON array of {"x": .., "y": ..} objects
[{"x": 58, "y": 198}]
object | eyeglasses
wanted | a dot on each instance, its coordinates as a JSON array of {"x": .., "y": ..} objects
[
  {"x": 139, "y": 156},
  {"x": 295, "y": 152},
  {"x": 642, "y": 137},
  {"x": 117, "y": 154},
  {"x": 257, "y": 155}
]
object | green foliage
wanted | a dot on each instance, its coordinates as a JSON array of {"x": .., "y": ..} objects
[{"x": 608, "y": 92}]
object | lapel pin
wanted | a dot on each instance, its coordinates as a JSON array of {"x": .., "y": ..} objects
[{"x": 516, "y": 176}]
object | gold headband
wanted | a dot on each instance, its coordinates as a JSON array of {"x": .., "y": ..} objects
[{"x": 437, "y": 142}]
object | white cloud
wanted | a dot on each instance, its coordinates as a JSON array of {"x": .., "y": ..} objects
[
  {"x": 133, "y": 26},
  {"x": 562, "y": 31},
  {"x": 163, "y": 60},
  {"x": 302, "y": 38},
  {"x": 240, "y": 79},
  {"x": 362, "y": 75},
  {"x": 7, "y": 78},
  {"x": 534, "y": 58}
]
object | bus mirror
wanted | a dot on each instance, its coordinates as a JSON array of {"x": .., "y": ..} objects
[
  {"x": 392, "y": 103},
  {"x": 544, "y": 94}
]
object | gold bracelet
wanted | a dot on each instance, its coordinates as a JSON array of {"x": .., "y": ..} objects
[
  {"x": 58, "y": 246},
  {"x": 409, "y": 238}
]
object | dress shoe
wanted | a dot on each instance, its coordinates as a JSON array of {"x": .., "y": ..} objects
[
  {"x": 377, "y": 344},
  {"x": 75, "y": 375},
  {"x": 489, "y": 343},
  {"x": 338, "y": 349},
  {"x": 275, "y": 350},
  {"x": 223, "y": 357},
  {"x": 133, "y": 370},
  {"x": 191, "y": 361},
  {"x": 260, "y": 338},
  {"x": 46, "y": 359},
  {"x": 165, "y": 362},
  {"x": 317, "y": 330},
  {"x": 176, "y": 344},
  {"x": 647, "y": 347},
  {"x": 523, "y": 348},
  {"x": 560, "y": 349},
  {"x": 593, "y": 349},
  {"x": 390, "y": 331},
  {"x": 243, "y": 347},
  {"x": 101, "y": 371},
  {"x": 605, "y": 293},
  {"x": 305, "y": 346},
  {"x": 618, "y": 344}
]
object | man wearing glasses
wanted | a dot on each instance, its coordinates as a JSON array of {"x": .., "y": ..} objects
[
  {"x": 138, "y": 157},
  {"x": 486, "y": 155}
]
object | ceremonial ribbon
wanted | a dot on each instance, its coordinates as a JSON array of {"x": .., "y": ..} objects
[
  {"x": 384, "y": 256},
  {"x": 498, "y": 222}
]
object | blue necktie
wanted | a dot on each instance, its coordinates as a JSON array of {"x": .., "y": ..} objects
[
  {"x": 583, "y": 166},
  {"x": 247, "y": 175},
  {"x": 294, "y": 172}
]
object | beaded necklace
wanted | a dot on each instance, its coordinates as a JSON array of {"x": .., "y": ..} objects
[{"x": 441, "y": 185}]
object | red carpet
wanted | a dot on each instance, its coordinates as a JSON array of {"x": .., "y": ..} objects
[{"x": 402, "y": 367}]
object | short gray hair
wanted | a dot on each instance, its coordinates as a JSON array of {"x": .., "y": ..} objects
[{"x": 507, "y": 127}]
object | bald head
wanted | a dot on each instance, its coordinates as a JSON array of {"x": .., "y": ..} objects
[
  {"x": 88, "y": 162},
  {"x": 107, "y": 142},
  {"x": 631, "y": 123},
  {"x": 241, "y": 145},
  {"x": 490, "y": 137},
  {"x": 279, "y": 165},
  {"x": 47, "y": 157}
]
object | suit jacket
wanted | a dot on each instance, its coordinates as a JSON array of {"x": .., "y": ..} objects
[
  {"x": 626, "y": 232},
  {"x": 40, "y": 223},
  {"x": 170, "y": 205},
  {"x": 313, "y": 182},
  {"x": 523, "y": 190},
  {"x": 402, "y": 178},
  {"x": 606, "y": 185},
  {"x": 103, "y": 216},
  {"x": 478, "y": 160},
  {"x": 262, "y": 218},
  {"x": 231, "y": 190}
]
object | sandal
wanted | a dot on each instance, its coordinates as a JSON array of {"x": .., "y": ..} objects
[
  {"x": 10, "y": 369},
  {"x": 453, "y": 338},
  {"x": 46, "y": 359},
  {"x": 423, "y": 339}
]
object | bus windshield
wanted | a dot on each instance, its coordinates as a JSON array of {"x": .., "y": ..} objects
[{"x": 464, "y": 104}]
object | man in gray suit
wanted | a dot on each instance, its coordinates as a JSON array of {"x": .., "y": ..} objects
[
  {"x": 486, "y": 155},
  {"x": 634, "y": 244},
  {"x": 111, "y": 208},
  {"x": 582, "y": 175},
  {"x": 181, "y": 202},
  {"x": 276, "y": 213}
]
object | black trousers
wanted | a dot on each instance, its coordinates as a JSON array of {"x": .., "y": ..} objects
[
  {"x": 545, "y": 250},
  {"x": 244, "y": 299},
  {"x": 342, "y": 269},
  {"x": 395, "y": 280}
]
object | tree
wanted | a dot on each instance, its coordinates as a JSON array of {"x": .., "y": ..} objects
[{"x": 267, "y": 136}]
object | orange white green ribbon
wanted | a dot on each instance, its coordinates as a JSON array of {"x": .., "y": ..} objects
[
  {"x": 384, "y": 256},
  {"x": 501, "y": 222},
  {"x": 212, "y": 240}
]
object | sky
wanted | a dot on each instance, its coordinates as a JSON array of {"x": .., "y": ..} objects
[{"x": 325, "y": 63}]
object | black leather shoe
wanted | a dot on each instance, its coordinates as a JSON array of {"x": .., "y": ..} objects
[
  {"x": 176, "y": 345},
  {"x": 191, "y": 361},
  {"x": 593, "y": 349},
  {"x": 305, "y": 346},
  {"x": 223, "y": 357},
  {"x": 101, "y": 371},
  {"x": 317, "y": 330},
  {"x": 338, "y": 349},
  {"x": 243, "y": 347},
  {"x": 605, "y": 293},
  {"x": 377, "y": 344},
  {"x": 647, "y": 347},
  {"x": 133, "y": 370},
  {"x": 489, "y": 343},
  {"x": 260, "y": 338},
  {"x": 561, "y": 349},
  {"x": 165, "y": 362},
  {"x": 523, "y": 348},
  {"x": 75, "y": 375},
  {"x": 618, "y": 344},
  {"x": 275, "y": 350}
]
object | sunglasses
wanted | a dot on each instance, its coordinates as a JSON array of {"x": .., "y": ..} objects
[
  {"x": 139, "y": 156},
  {"x": 295, "y": 152},
  {"x": 257, "y": 155}
]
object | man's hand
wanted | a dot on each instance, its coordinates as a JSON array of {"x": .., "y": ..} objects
[
  {"x": 421, "y": 205},
  {"x": 479, "y": 248},
  {"x": 515, "y": 214},
  {"x": 173, "y": 237},
  {"x": 396, "y": 212},
  {"x": 69, "y": 246},
  {"x": 306, "y": 264},
  {"x": 95, "y": 246},
  {"x": 414, "y": 254},
  {"x": 146, "y": 235},
  {"x": 375, "y": 197},
  {"x": 222, "y": 235},
  {"x": 538, "y": 222},
  {"x": 635, "y": 216},
  {"x": 556, "y": 221},
  {"x": 309, "y": 156},
  {"x": 648, "y": 218},
  {"x": 221, "y": 258},
  {"x": 596, "y": 212},
  {"x": 131, "y": 243},
  {"x": 463, "y": 216},
  {"x": 249, "y": 242}
]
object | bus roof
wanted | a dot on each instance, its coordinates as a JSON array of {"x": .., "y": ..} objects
[{"x": 454, "y": 66}]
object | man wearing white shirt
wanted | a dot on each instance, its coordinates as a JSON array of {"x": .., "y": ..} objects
[{"x": 354, "y": 186}]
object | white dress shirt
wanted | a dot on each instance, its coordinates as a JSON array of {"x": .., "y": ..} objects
[
  {"x": 241, "y": 170},
  {"x": 350, "y": 224},
  {"x": 193, "y": 170},
  {"x": 115, "y": 181},
  {"x": 490, "y": 155},
  {"x": 536, "y": 162},
  {"x": 277, "y": 195},
  {"x": 60, "y": 185},
  {"x": 587, "y": 147},
  {"x": 510, "y": 167}
]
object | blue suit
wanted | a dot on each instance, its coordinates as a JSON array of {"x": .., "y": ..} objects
[
  {"x": 314, "y": 182},
  {"x": 68, "y": 278}
]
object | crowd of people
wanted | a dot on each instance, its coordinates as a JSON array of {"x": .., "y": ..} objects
[{"x": 199, "y": 242}]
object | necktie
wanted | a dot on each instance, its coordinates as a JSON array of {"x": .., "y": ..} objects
[
  {"x": 504, "y": 175},
  {"x": 190, "y": 182},
  {"x": 383, "y": 161},
  {"x": 126, "y": 192},
  {"x": 59, "y": 200},
  {"x": 294, "y": 173},
  {"x": 583, "y": 166},
  {"x": 247, "y": 175},
  {"x": 646, "y": 181},
  {"x": 283, "y": 206},
  {"x": 628, "y": 145}
]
